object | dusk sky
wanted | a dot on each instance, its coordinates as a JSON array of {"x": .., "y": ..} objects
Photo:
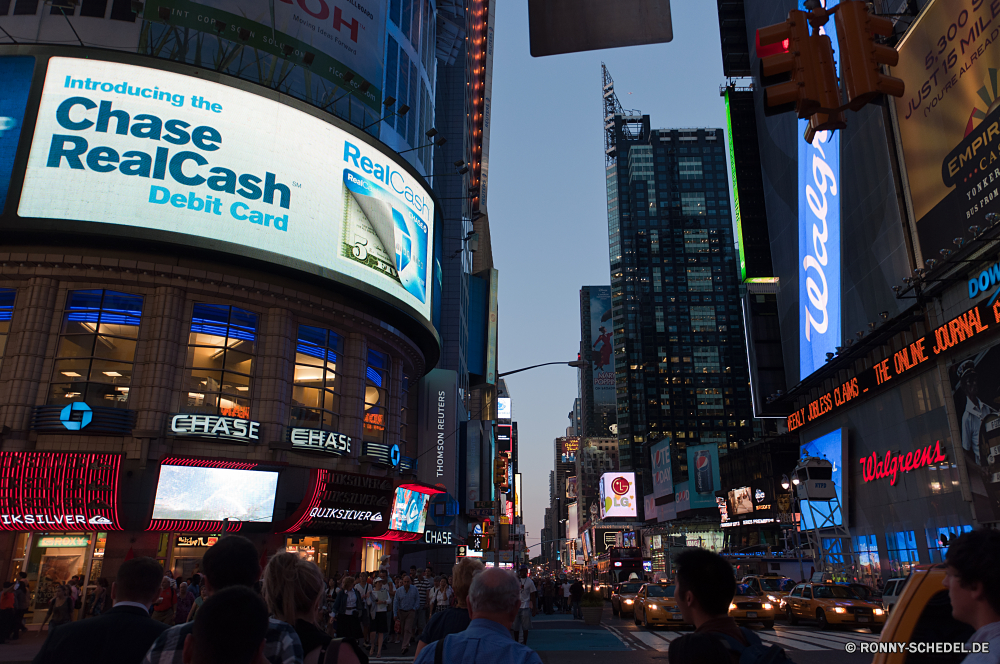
[{"x": 548, "y": 208}]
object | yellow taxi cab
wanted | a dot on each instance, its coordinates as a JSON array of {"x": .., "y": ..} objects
[
  {"x": 623, "y": 597},
  {"x": 922, "y": 614},
  {"x": 772, "y": 586},
  {"x": 749, "y": 607},
  {"x": 830, "y": 604},
  {"x": 655, "y": 605}
]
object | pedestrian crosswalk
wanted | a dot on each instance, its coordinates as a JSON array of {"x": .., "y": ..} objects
[{"x": 786, "y": 637}]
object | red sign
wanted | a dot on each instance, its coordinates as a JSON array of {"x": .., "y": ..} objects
[
  {"x": 51, "y": 491},
  {"x": 874, "y": 468},
  {"x": 620, "y": 486},
  {"x": 956, "y": 333}
]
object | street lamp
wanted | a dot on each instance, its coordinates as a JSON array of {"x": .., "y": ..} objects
[
  {"x": 578, "y": 364},
  {"x": 784, "y": 482}
]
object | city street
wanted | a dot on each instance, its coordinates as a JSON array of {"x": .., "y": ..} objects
[{"x": 561, "y": 640}]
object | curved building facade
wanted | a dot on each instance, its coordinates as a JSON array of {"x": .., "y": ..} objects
[{"x": 216, "y": 303}]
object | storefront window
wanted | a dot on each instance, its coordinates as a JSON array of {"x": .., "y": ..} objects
[
  {"x": 187, "y": 552},
  {"x": 938, "y": 540},
  {"x": 902, "y": 550},
  {"x": 315, "y": 397},
  {"x": 220, "y": 356},
  {"x": 54, "y": 559},
  {"x": 96, "y": 348},
  {"x": 866, "y": 547},
  {"x": 97, "y": 561},
  {"x": 313, "y": 549},
  {"x": 20, "y": 555},
  {"x": 6, "y": 312},
  {"x": 376, "y": 397}
]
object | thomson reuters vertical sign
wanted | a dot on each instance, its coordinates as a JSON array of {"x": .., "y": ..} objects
[{"x": 437, "y": 440}]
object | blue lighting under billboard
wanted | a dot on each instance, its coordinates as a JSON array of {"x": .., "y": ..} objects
[
  {"x": 819, "y": 242},
  {"x": 15, "y": 72},
  {"x": 829, "y": 447}
]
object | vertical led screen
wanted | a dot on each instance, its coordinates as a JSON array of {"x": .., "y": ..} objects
[
  {"x": 15, "y": 72},
  {"x": 829, "y": 447},
  {"x": 663, "y": 480},
  {"x": 409, "y": 511},
  {"x": 819, "y": 242},
  {"x": 975, "y": 384},
  {"x": 602, "y": 357},
  {"x": 703, "y": 474}
]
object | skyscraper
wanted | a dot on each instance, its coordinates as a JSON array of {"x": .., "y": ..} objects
[{"x": 679, "y": 349}]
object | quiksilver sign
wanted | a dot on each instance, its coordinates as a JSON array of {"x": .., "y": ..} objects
[{"x": 346, "y": 515}]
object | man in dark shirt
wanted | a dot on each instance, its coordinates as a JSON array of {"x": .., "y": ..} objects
[
  {"x": 576, "y": 596},
  {"x": 453, "y": 620},
  {"x": 704, "y": 588},
  {"x": 120, "y": 636}
]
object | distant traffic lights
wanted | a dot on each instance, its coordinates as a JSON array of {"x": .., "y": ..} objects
[
  {"x": 807, "y": 64},
  {"x": 500, "y": 472},
  {"x": 861, "y": 57}
]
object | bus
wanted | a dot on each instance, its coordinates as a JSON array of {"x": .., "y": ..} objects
[{"x": 617, "y": 566}]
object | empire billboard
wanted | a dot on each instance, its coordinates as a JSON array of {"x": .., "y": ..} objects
[
  {"x": 193, "y": 162},
  {"x": 602, "y": 357}
]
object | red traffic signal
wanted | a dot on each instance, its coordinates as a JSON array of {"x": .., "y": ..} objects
[
  {"x": 807, "y": 68},
  {"x": 861, "y": 57}
]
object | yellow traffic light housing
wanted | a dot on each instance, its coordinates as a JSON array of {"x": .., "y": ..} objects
[
  {"x": 807, "y": 63},
  {"x": 861, "y": 57}
]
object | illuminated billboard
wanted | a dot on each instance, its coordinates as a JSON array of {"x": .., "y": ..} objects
[
  {"x": 409, "y": 511},
  {"x": 199, "y": 163},
  {"x": 602, "y": 357},
  {"x": 618, "y": 495},
  {"x": 663, "y": 480},
  {"x": 15, "y": 72},
  {"x": 829, "y": 447},
  {"x": 195, "y": 493},
  {"x": 703, "y": 474},
  {"x": 503, "y": 408}
]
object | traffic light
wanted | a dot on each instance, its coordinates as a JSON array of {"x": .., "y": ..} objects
[
  {"x": 861, "y": 57},
  {"x": 806, "y": 65},
  {"x": 500, "y": 471}
]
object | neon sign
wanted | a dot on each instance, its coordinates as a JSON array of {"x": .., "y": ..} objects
[
  {"x": 874, "y": 468},
  {"x": 956, "y": 333}
]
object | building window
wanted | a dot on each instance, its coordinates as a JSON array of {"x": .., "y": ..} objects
[
  {"x": 221, "y": 348},
  {"x": 689, "y": 168},
  {"x": 702, "y": 319},
  {"x": 659, "y": 319},
  {"x": 6, "y": 312},
  {"x": 96, "y": 348},
  {"x": 315, "y": 394},
  {"x": 696, "y": 241},
  {"x": 709, "y": 401},
  {"x": 699, "y": 279},
  {"x": 902, "y": 551},
  {"x": 376, "y": 397}
]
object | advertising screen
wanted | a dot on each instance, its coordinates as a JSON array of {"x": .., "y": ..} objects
[
  {"x": 409, "y": 511},
  {"x": 618, "y": 495},
  {"x": 829, "y": 447},
  {"x": 195, "y": 162},
  {"x": 573, "y": 522},
  {"x": 15, "y": 72},
  {"x": 948, "y": 119},
  {"x": 975, "y": 382},
  {"x": 663, "y": 480},
  {"x": 703, "y": 475},
  {"x": 568, "y": 449},
  {"x": 741, "y": 500},
  {"x": 503, "y": 408},
  {"x": 602, "y": 358},
  {"x": 191, "y": 493},
  {"x": 819, "y": 241}
]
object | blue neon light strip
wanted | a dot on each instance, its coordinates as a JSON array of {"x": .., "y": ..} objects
[
  {"x": 316, "y": 351},
  {"x": 206, "y": 326},
  {"x": 374, "y": 376}
]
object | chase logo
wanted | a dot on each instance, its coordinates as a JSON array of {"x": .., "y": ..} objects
[
  {"x": 394, "y": 455},
  {"x": 76, "y": 416}
]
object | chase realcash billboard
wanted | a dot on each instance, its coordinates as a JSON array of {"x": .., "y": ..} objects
[{"x": 197, "y": 162}]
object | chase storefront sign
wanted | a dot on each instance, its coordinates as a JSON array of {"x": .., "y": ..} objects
[
  {"x": 218, "y": 427},
  {"x": 343, "y": 504},
  {"x": 318, "y": 440},
  {"x": 51, "y": 492},
  {"x": 79, "y": 418}
]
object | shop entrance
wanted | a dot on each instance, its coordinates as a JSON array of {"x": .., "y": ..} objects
[
  {"x": 313, "y": 548},
  {"x": 51, "y": 560}
]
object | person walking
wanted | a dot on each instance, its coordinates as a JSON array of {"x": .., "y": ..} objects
[
  {"x": 100, "y": 601},
  {"x": 565, "y": 598},
  {"x": 185, "y": 600},
  {"x": 120, "y": 635},
  {"x": 548, "y": 594},
  {"x": 232, "y": 561},
  {"x": 407, "y": 605},
  {"x": 441, "y": 596},
  {"x": 294, "y": 590},
  {"x": 575, "y": 597},
  {"x": 232, "y": 628},
  {"x": 529, "y": 602},
  {"x": 365, "y": 588},
  {"x": 60, "y": 609},
  {"x": 972, "y": 576},
  {"x": 425, "y": 584},
  {"x": 8, "y": 618},
  {"x": 494, "y": 603},
  {"x": 380, "y": 616},
  {"x": 453, "y": 620},
  {"x": 198, "y": 602},
  {"x": 347, "y": 608},
  {"x": 21, "y": 591},
  {"x": 163, "y": 609}
]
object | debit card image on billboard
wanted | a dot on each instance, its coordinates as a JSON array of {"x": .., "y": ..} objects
[
  {"x": 15, "y": 72},
  {"x": 825, "y": 513},
  {"x": 618, "y": 495},
  {"x": 200, "y": 163},
  {"x": 409, "y": 511},
  {"x": 191, "y": 493}
]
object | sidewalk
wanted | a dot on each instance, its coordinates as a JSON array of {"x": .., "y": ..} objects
[{"x": 24, "y": 649}]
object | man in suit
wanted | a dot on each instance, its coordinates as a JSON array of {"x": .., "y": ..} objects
[{"x": 120, "y": 636}]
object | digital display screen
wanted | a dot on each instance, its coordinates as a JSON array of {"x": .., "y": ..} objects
[
  {"x": 191, "y": 493},
  {"x": 503, "y": 408},
  {"x": 618, "y": 495},
  {"x": 409, "y": 511},
  {"x": 826, "y": 513},
  {"x": 15, "y": 72},
  {"x": 200, "y": 163}
]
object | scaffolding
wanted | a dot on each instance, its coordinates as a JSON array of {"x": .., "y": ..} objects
[
  {"x": 631, "y": 119},
  {"x": 828, "y": 538}
]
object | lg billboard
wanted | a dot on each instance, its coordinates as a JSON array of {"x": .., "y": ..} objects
[
  {"x": 121, "y": 148},
  {"x": 618, "y": 495}
]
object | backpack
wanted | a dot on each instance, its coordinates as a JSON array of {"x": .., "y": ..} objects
[{"x": 756, "y": 652}]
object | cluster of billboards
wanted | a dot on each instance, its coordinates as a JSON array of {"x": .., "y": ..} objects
[{"x": 133, "y": 151}]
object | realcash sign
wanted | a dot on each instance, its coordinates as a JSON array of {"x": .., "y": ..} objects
[{"x": 203, "y": 163}]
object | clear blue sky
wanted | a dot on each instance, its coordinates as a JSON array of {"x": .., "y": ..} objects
[{"x": 548, "y": 208}]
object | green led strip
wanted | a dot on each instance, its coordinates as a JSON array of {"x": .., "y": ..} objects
[{"x": 736, "y": 189}]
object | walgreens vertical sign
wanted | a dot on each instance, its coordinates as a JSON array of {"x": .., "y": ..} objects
[{"x": 819, "y": 243}]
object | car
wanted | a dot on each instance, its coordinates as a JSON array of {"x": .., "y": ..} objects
[
  {"x": 829, "y": 604},
  {"x": 749, "y": 607},
  {"x": 866, "y": 593},
  {"x": 623, "y": 598},
  {"x": 772, "y": 586},
  {"x": 891, "y": 592},
  {"x": 655, "y": 605},
  {"x": 922, "y": 614}
]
